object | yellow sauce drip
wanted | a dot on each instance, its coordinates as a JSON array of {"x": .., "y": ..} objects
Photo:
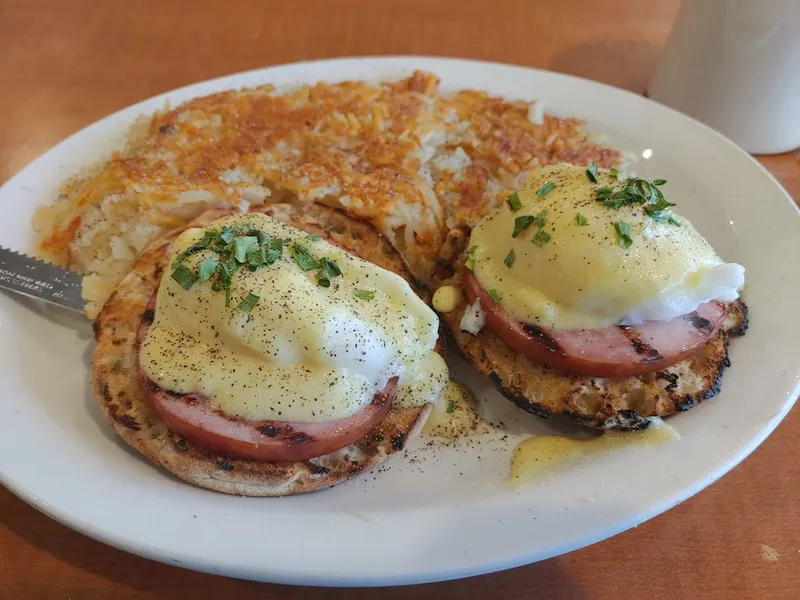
[
  {"x": 543, "y": 454},
  {"x": 446, "y": 298},
  {"x": 461, "y": 420}
]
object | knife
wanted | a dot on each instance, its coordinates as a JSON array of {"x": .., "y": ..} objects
[{"x": 37, "y": 279}]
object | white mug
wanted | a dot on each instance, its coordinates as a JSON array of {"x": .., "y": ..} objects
[{"x": 735, "y": 65}]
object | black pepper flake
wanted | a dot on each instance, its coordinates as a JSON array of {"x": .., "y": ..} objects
[
  {"x": 398, "y": 441},
  {"x": 226, "y": 465},
  {"x": 317, "y": 469}
]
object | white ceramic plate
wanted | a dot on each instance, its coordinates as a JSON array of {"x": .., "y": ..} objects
[{"x": 445, "y": 515}]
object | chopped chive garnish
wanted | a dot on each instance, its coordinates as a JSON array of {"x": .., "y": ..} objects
[
  {"x": 262, "y": 236},
  {"x": 541, "y": 219},
  {"x": 249, "y": 302},
  {"x": 580, "y": 220},
  {"x": 674, "y": 221},
  {"x": 243, "y": 245},
  {"x": 329, "y": 268},
  {"x": 657, "y": 210},
  {"x": 227, "y": 235},
  {"x": 276, "y": 244},
  {"x": 636, "y": 190},
  {"x": 184, "y": 276},
  {"x": 451, "y": 405},
  {"x": 514, "y": 203},
  {"x": 303, "y": 258},
  {"x": 624, "y": 233},
  {"x": 312, "y": 237},
  {"x": 228, "y": 295},
  {"x": 495, "y": 297},
  {"x": 469, "y": 258},
  {"x": 117, "y": 364},
  {"x": 510, "y": 258},
  {"x": 614, "y": 171},
  {"x": 521, "y": 224},
  {"x": 364, "y": 294},
  {"x": 206, "y": 269},
  {"x": 591, "y": 173},
  {"x": 541, "y": 238},
  {"x": 546, "y": 189},
  {"x": 257, "y": 258}
]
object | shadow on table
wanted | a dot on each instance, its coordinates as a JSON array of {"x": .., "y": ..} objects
[
  {"x": 125, "y": 571},
  {"x": 632, "y": 61}
]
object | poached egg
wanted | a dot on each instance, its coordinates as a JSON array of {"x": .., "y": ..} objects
[
  {"x": 303, "y": 351},
  {"x": 555, "y": 256}
]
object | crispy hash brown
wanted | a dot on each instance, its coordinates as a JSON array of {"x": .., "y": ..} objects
[
  {"x": 610, "y": 403},
  {"x": 400, "y": 155},
  {"x": 118, "y": 390}
]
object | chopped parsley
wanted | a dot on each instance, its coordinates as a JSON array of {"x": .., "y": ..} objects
[
  {"x": 364, "y": 294},
  {"x": 541, "y": 238},
  {"x": 591, "y": 173},
  {"x": 249, "y": 302},
  {"x": 510, "y": 258},
  {"x": 514, "y": 203},
  {"x": 580, "y": 220},
  {"x": 546, "y": 189},
  {"x": 521, "y": 224},
  {"x": 495, "y": 297},
  {"x": 624, "y": 233},
  {"x": 451, "y": 405},
  {"x": 469, "y": 258}
]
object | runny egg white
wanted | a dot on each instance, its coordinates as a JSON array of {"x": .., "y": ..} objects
[
  {"x": 304, "y": 352},
  {"x": 578, "y": 274}
]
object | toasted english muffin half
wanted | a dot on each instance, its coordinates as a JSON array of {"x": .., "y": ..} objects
[
  {"x": 119, "y": 394},
  {"x": 610, "y": 403}
]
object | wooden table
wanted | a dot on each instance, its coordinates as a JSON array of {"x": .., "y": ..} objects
[{"x": 66, "y": 63}]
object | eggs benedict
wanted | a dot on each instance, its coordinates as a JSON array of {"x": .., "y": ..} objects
[
  {"x": 262, "y": 346},
  {"x": 594, "y": 275}
]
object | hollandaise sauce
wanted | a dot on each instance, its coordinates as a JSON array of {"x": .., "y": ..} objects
[
  {"x": 457, "y": 416},
  {"x": 296, "y": 329},
  {"x": 543, "y": 454},
  {"x": 586, "y": 248}
]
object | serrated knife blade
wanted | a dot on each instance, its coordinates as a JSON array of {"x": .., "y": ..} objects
[{"x": 37, "y": 279}]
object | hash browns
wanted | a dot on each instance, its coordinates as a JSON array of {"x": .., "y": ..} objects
[{"x": 401, "y": 155}]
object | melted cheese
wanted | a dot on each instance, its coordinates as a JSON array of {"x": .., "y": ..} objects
[
  {"x": 304, "y": 352},
  {"x": 582, "y": 278}
]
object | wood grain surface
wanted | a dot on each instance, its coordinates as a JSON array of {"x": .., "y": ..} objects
[{"x": 66, "y": 63}]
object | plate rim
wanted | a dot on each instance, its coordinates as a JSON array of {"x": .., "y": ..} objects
[{"x": 639, "y": 516}]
